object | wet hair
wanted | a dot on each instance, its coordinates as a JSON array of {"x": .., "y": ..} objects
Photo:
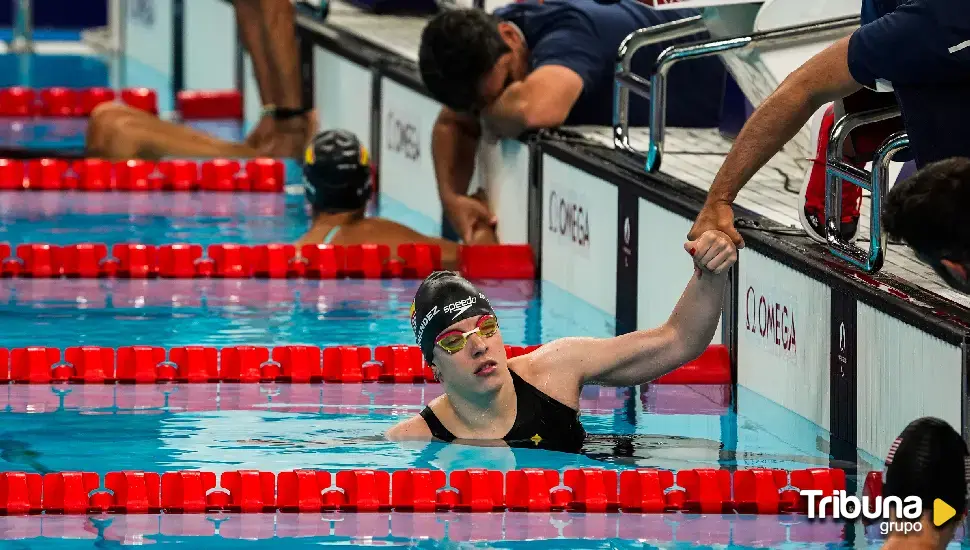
[
  {"x": 336, "y": 172},
  {"x": 929, "y": 460},
  {"x": 443, "y": 299},
  {"x": 927, "y": 210},
  {"x": 458, "y": 49}
]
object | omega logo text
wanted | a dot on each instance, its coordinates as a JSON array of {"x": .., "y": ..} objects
[
  {"x": 402, "y": 137},
  {"x": 773, "y": 321},
  {"x": 569, "y": 219}
]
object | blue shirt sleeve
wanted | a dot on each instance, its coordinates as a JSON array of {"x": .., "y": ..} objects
[
  {"x": 570, "y": 44},
  {"x": 908, "y": 46}
]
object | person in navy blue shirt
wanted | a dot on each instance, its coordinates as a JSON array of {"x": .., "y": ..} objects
[
  {"x": 541, "y": 64},
  {"x": 919, "y": 48}
]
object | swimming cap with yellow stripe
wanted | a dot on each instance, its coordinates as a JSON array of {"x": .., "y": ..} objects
[{"x": 336, "y": 172}]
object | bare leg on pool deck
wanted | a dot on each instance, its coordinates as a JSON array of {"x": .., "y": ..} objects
[
  {"x": 268, "y": 32},
  {"x": 117, "y": 132}
]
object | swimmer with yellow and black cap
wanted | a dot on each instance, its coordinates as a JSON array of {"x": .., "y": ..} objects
[
  {"x": 533, "y": 400},
  {"x": 338, "y": 183},
  {"x": 928, "y": 460}
]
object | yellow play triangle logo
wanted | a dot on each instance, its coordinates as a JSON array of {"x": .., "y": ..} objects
[{"x": 942, "y": 512}]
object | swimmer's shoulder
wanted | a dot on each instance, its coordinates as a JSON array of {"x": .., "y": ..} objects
[
  {"x": 412, "y": 429},
  {"x": 548, "y": 370},
  {"x": 372, "y": 228},
  {"x": 539, "y": 363}
]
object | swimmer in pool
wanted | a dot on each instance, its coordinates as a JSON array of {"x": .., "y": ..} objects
[
  {"x": 266, "y": 31},
  {"x": 929, "y": 460},
  {"x": 18, "y": 453},
  {"x": 338, "y": 184},
  {"x": 533, "y": 400}
]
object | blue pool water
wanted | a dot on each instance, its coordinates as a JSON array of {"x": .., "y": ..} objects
[
  {"x": 49, "y": 70},
  {"x": 539, "y": 531},
  {"x": 277, "y": 427},
  {"x": 159, "y": 218},
  {"x": 261, "y": 312}
]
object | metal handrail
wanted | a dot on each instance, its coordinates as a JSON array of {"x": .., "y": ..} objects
[
  {"x": 837, "y": 170},
  {"x": 23, "y": 29},
  {"x": 625, "y": 79},
  {"x": 657, "y": 88}
]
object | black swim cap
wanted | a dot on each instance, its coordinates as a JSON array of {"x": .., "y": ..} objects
[
  {"x": 336, "y": 172},
  {"x": 443, "y": 299},
  {"x": 929, "y": 460}
]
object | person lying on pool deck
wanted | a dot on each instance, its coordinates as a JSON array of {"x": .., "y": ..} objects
[
  {"x": 533, "y": 400},
  {"x": 536, "y": 64},
  {"x": 266, "y": 27},
  {"x": 338, "y": 183}
]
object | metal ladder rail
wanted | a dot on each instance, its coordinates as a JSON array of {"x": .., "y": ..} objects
[
  {"x": 626, "y": 79},
  {"x": 875, "y": 182},
  {"x": 657, "y": 88},
  {"x": 22, "y": 40}
]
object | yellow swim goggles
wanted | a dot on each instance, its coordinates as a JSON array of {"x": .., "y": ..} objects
[{"x": 454, "y": 341}]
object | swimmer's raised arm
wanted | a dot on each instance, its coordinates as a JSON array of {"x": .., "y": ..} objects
[{"x": 642, "y": 356}]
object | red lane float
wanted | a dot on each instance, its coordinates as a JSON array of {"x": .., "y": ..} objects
[
  {"x": 273, "y": 261},
  {"x": 70, "y": 102},
  {"x": 209, "y": 105},
  {"x": 497, "y": 262},
  {"x": 296, "y": 364},
  {"x": 591, "y": 490},
  {"x": 259, "y": 175},
  {"x": 712, "y": 367}
]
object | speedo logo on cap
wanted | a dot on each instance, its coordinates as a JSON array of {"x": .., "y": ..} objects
[{"x": 461, "y": 306}]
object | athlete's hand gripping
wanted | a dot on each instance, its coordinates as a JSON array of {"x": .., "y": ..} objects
[
  {"x": 713, "y": 252},
  {"x": 718, "y": 216}
]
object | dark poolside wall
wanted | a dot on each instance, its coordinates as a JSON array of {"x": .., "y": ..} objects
[{"x": 63, "y": 14}]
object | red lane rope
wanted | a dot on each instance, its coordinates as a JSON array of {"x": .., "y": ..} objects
[
  {"x": 261, "y": 175},
  {"x": 70, "y": 102},
  {"x": 64, "y": 102},
  {"x": 592, "y": 490},
  {"x": 253, "y": 364},
  {"x": 273, "y": 261}
]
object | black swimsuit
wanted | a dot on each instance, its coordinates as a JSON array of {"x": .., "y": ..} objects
[{"x": 540, "y": 422}]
